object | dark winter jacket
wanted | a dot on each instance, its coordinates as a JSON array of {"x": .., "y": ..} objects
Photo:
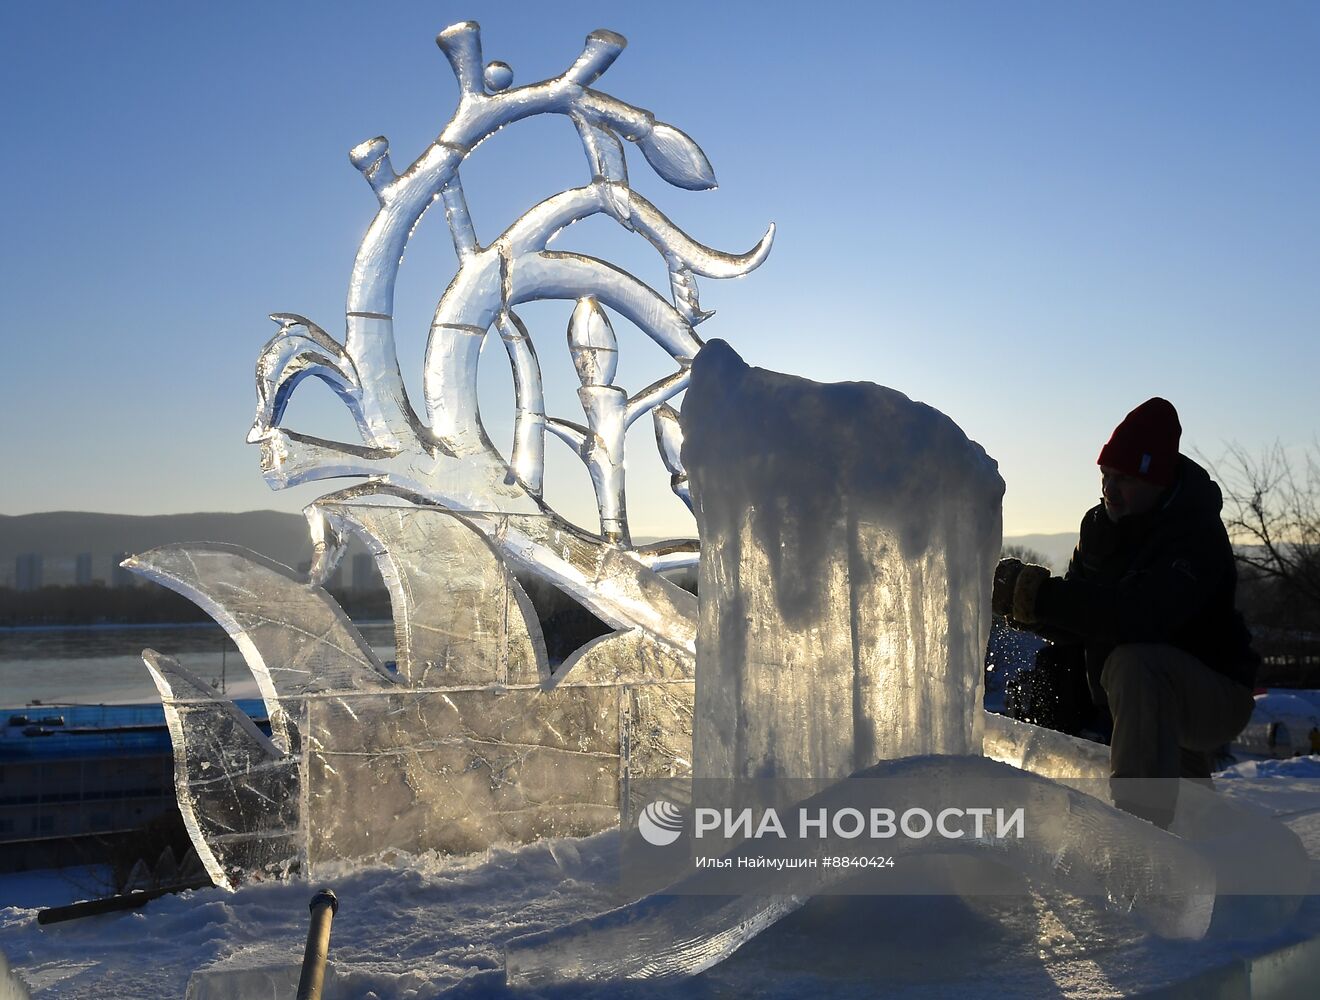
[{"x": 1165, "y": 576}]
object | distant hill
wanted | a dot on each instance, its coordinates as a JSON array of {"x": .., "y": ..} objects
[
  {"x": 1057, "y": 549},
  {"x": 60, "y": 536}
]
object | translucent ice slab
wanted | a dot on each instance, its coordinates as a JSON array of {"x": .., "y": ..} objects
[
  {"x": 848, "y": 540},
  {"x": 1261, "y": 867},
  {"x": 238, "y": 792},
  {"x": 1075, "y": 843},
  {"x": 293, "y": 636}
]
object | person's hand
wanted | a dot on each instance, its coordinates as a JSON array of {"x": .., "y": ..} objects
[
  {"x": 1001, "y": 594},
  {"x": 1015, "y": 588}
]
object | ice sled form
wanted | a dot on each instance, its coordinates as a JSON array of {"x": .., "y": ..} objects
[{"x": 845, "y": 568}]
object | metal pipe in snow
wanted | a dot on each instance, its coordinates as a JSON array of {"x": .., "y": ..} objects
[{"x": 324, "y": 906}]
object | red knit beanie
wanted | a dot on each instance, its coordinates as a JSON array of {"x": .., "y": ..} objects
[{"x": 1145, "y": 444}]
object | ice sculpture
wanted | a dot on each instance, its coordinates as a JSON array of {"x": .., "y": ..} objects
[
  {"x": 849, "y": 535},
  {"x": 469, "y": 738},
  {"x": 470, "y": 741},
  {"x": 448, "y": 458}
]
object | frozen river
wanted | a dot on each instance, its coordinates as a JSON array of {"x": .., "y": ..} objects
[{"x": 102, "y": 665}]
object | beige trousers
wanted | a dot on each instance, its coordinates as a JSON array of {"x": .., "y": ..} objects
[{"x": 1170, "y": 710}]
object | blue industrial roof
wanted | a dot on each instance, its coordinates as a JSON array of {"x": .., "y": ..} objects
[{"x": 51, "y": 732}]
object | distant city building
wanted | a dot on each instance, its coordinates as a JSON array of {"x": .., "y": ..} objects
[
  {"x": 120, "y": 577},
  {"x": 365, "y": 576},
  {"x": 82, "y": 569},
  {"x": 28, "y": 571}
]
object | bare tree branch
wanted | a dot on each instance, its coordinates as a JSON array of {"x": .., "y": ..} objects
[{"x": 1272, "y": 513}]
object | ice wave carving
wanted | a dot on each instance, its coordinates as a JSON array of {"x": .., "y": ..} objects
[
  {"x": 468, "y": 741},
  {"x": 238, "y": 792}
]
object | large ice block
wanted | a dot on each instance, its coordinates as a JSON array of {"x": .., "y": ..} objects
[{"x": 848, "y": 540}]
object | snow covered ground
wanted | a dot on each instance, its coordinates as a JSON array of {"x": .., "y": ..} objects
[{"x": 428, "y": 927}]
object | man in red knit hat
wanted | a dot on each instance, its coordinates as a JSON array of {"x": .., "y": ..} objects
[{"x": 1149, "y": 600}]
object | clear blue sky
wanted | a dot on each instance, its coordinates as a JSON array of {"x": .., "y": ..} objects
[{"x": 1030, "y": 215}]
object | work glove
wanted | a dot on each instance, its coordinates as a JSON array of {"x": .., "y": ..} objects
[
  {"x": 1016, "y": 585},
  {"x": 1001, "y": 594}
]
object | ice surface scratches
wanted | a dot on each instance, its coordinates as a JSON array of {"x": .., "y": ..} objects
[
  {"x": 848, "y": 538},
  {"x": 238, "y": 792},
  {"x": 472, "y": 743}
]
